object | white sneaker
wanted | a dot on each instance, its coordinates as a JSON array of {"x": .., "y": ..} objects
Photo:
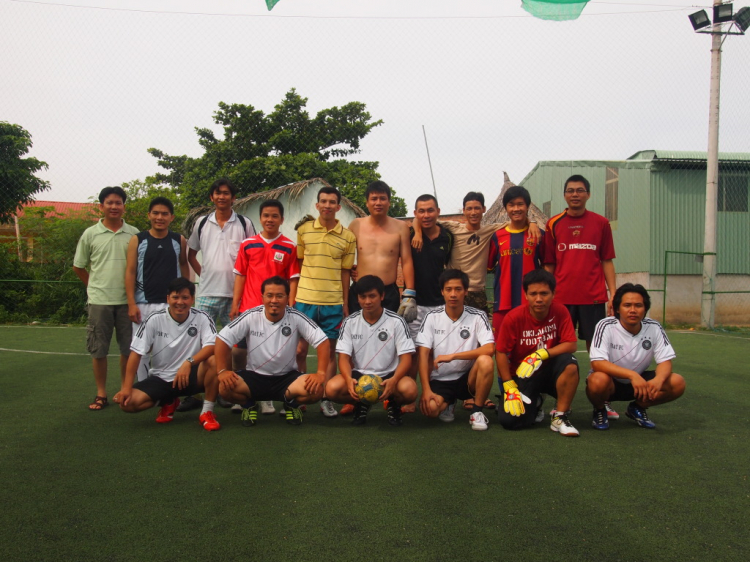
[
  {"x": 478, "y": 421},
  {"x": 266, "y": 407},
  {"x": 327, "y": 409},
  {"x": 561, "y": 424},
  {"x": 449, "y": 414}
]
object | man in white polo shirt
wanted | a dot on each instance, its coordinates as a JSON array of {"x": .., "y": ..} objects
[
  {"x": 272, "y": 332},
  {"x": 374, "y": 341},
  {"x": 461, "y": 342},
  {"x": 621, "y": 353},
  {"x": 180, "y": 342}
]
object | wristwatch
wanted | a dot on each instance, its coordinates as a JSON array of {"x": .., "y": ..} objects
[{"x": 190, "y": 360}]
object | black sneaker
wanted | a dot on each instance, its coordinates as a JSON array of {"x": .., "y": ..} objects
[
  {"x": 293, "y": 415},
  {"x": 249, "y": 416},
  {"x": 189, "y": 403},
  {"x": 360, "y": 413},
  {"x": 394, "y": 414}
]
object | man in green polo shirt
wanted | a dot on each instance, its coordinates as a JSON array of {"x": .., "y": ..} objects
[{"x": 99, "y": 263}]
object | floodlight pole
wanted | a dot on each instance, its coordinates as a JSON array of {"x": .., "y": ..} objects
[{"x": 708, "y": 300}]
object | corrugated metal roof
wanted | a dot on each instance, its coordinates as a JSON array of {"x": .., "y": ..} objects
[{"x": 688, "y": 155}]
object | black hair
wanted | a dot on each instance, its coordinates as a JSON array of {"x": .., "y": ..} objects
[
  {"x": 367, "y": 283},
  {"x": 539, "y": 276},
  {"x": 377, "y": 186},
  {"x": 330, "y": 191},
  {"x": 221, "y": 182},
  {"x": 116, "y": 190},
  {"x": 449, "y": 274},
  {"x": 177, "y": 284},
  {"x": 272, "y": 203},
  {"x": 630, "y": 288},
  {"x": 474, "y": 196},
  {"x": 161, "y": 201},
  {"x": 275, "y": 280},
  {"x": 426, "y": 197},
  {"x": 578, "y": 178},
  {"x": 517, "y": 191}
]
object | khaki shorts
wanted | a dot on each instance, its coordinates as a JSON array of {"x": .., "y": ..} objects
[{"x": 103, "y": 320}]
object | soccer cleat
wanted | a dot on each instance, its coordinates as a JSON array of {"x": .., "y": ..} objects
[
  {"x": 266, "y": 407},
  {"x": 347, "y": 410},
  {"x": 302, "y": 408},
  {"x": 209, "y": 422},
  {"x": 189, "y": 403},
  {"x": 638, "y": 413},
  {"x": 478, "y": 421},
  {"x": 327, "y": 409},
  {"x": 222, "y": 402},
  {"x": 611, "y": 414},
  {"x": 449, "y": 414},
  {"x": 293, "y": 415},
  {"x": 394, "y": 414},
  {"x": 561, "y": 424},
  {"x": 600, "y": 420},
  {"x": 236, "y": 409},
  {"x": 166, "y": 412},
  {"x": 249, "y": 416},
  {"x": 360, "y": 413},
  {"x": 540, "y": 412}
]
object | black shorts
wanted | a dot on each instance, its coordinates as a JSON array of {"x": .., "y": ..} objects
[
  {"x": 585, "y": 317},
  {"x": 453, "y": 390},
  {"x": 544, "y": 381},
  {"x": 391, "y": 301},
  {"x": 160, "y": 390},
  {"x": 264, "y": 387},
  {"x": 624, "y": 390},
  {"x": 357, "y": 374}
]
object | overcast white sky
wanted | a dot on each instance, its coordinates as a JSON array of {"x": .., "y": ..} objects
[{"x": 495, "y": 88}]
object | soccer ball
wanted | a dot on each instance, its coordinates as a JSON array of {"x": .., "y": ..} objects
[{"x": 369, "y": 388}]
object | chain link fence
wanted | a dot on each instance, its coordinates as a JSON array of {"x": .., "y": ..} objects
[{"x": 166, "y": 98}]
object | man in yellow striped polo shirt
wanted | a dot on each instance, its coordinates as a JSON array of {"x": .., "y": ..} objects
[{"x": 327, "y": 251}]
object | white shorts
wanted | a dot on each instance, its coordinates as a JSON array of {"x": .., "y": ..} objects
[{"x": 415, "y": 324}]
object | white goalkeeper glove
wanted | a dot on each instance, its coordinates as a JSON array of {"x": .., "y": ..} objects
[{"x": 408, "y": 308}]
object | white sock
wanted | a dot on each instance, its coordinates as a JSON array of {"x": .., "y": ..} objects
[{"x": 207, "y": 407}]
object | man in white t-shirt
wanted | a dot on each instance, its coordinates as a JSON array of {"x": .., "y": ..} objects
[
  {"x": 180, "y": 343},
  {"x": 461, "y": 342},
  {"x": 272, "y": 332},
  {"x": 374, "y": 341},
  {"x": 621, "y": 353}
]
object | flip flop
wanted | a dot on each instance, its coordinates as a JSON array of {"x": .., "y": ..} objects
[
  {"x": 99, "y": 403},
  {"x": 469, "y": 404}
]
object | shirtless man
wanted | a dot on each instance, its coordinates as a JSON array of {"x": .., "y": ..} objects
[{"x": 381, "y": 241}]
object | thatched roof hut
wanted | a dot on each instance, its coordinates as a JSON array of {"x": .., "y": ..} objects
[{"x": 496, "y": 213}]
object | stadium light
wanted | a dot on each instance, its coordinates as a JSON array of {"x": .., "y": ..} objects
[
  {"x": 699, "y": 20},
  {"x": 723, "y": 13},
  {"x": 742, "y": 19}
]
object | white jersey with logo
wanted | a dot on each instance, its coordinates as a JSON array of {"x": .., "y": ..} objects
[
  {"x": 444, "y": 336},
  {"x": 615, "y": 344},
  {"x": 272, "y": 346},
  {"x": 170, "y": 342},
  {"x": 375, "y": 348}
]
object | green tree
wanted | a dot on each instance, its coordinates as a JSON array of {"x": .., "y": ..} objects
[
  {"x": 261, "y": 152},
  {"x": 18, "y": 184}
]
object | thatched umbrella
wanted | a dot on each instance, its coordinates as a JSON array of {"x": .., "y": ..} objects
[{"x": 497, "y": 215}]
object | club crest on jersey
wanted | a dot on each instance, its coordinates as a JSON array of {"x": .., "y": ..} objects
[
  {"x": 286, "y": 331},
  {"x": 576, "y": 233},
  {"x": 646, "y": 344},
  {"x": 382, "y": 336},
  {"x": 464, "y": 334},
  {"x": 192, "y": 331},
  {"x": 278, "y": 256}
]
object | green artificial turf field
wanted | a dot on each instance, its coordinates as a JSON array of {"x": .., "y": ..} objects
[{"x": 82, "y": 485}]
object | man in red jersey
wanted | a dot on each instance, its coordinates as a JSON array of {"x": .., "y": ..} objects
[
  {"x": 261, "y": 257},
  {"x": 534, "y": 353}
]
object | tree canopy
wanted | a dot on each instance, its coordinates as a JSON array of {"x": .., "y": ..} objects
[
  {"x": 18, "y": 184},
  {"x": 261, "y": 152}
]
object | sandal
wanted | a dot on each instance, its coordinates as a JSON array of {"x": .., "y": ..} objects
[
  {"x": 469, "y": 404},
  {"x": 99, "y": 403}
]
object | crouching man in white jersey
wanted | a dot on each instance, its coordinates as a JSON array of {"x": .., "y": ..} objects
[
  {"x": 180, "y": 340},
  {"x": 273, "y": 332},
  {"x": 374, "y": 341},
  {"x": 621, "y": 352},
  {"x": 460, "y": 340}
]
